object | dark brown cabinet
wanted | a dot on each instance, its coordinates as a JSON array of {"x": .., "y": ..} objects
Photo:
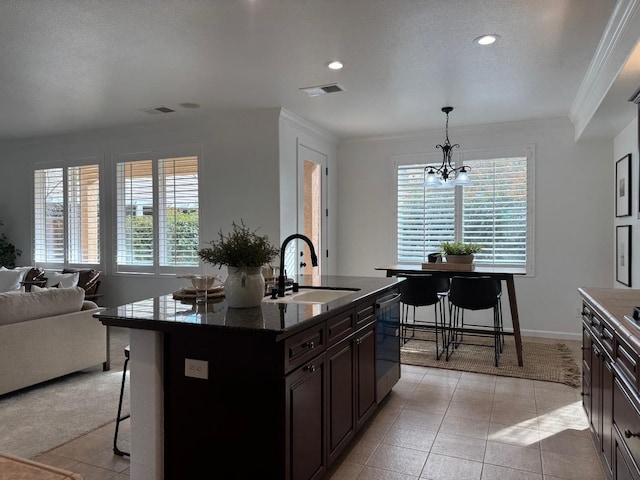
[
  {"x": 305, "y": 407},
  {"x": 294, "y": 401}
]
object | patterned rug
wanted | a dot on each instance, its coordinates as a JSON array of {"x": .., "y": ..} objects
[{"x": 549, "y": 362}]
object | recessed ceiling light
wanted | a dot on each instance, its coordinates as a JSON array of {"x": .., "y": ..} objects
[
  {"x": 486, "y": 39},
  {"x": 335, "y": 65}
]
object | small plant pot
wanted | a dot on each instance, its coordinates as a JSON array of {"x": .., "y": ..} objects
[{"x": 459, "y": 258}]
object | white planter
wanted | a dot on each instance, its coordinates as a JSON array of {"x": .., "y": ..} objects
[
  {"x": 244, "y": 287},
  {"x": 459, "y": 258}
]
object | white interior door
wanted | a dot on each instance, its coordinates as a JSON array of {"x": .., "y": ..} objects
[{"x": 312, "y": 208}]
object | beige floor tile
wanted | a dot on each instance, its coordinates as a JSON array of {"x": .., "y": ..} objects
[
  {"x": 567, "y": 444},
  {"x": 441, "y": 467},
  {"x": 415, "y": 438},
  {"x": 433, "y": 392},
  {"x": 371, "y": 473},
  {"x": 345, "y": 471},
  {"x": 515, "y": 416},
  {"x": 107, "y": 460},
  {"x": 90, "y": 472},
  {"x": 83, "y": 447},
  {"x": 466, "y": 427},
  {"x": 398, "y": 459},
  {"x": 522, "y": 437},
  {"x": 55, "y": 461},
  {"x": 439, "y": 381},
  {"x": 505, "y": 401},
  {"x": 478, "y": 411},
  {"x": 360, "y": 451},
  {"x": 420, "y": 420},
  {"x": 476, "y": 385},
  {"x": 444, "y": 372},
  {"x": 460, "y": 447},
  {"x": 512, "y": 456},
  {"x": 572, "y": 468},
  {"x": 438, "y": 407},
  {"x": 495, "y": 472},
  {"x": 470, "y": 396}
]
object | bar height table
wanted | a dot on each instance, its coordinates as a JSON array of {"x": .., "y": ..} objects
[{"x": 499, "y": 273}]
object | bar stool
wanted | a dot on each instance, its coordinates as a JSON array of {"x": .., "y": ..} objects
[
  {"x": 421, "y": 291},
  {"x": 475, "y": 293},
  {"x": 120, "y": 417}
]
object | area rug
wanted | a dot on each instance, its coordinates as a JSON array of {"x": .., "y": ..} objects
[
  {"x": 549, "y": 362},
  {"x": 39, "y": 418}
]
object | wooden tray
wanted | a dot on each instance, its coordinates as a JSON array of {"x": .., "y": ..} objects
[{"x": 456, "y": 267}]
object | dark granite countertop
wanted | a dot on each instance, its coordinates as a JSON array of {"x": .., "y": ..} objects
[{"x": 164, "y": 313}]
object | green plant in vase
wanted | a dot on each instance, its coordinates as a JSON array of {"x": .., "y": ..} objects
[
  {"x": 460, "y": 252},
  {"x": 243, "y": 252}
]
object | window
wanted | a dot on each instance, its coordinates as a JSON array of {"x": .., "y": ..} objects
[
  {"x": 67, "y": 215},
  {"x": 495, "y": 211},
  {"x": 157, "y": 214}
]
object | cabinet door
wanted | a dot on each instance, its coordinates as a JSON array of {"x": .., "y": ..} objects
[
  {"x": 365, "y": 341},
  {"x": 624, "y": 467},
  {"x": 304, "y": 430},
  {"x": 586, "y": 372},
  {"x": 607, "y": 414},
  {"x": 341, "y": 396},
  {"x": 596, "y": 392}
]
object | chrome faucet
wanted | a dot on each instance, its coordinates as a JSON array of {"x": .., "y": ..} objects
[{"x": 314, "y": 259}]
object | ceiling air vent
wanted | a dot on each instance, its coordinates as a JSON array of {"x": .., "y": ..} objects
[
  {"x": 156, "y": 110},
  {"x": 322, "y": 89}
]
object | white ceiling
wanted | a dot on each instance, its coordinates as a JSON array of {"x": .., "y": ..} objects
[{"x": 71, "y": 65}]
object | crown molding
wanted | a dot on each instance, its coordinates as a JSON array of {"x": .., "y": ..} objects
[{"x": 617, "y": 43}]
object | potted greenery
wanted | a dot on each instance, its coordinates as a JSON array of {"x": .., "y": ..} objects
[
  {"x": 243, "y": 252},
  {"x": 8, "y": 251},
  {"x": 460, "y": 252}
]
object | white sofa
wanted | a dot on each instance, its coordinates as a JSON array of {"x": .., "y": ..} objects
[{"x": 47, "y": 333}]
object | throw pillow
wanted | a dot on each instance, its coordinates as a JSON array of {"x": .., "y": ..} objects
[
  {"x": 62, "y": 280},
  {"x": 10, "y": 280}
]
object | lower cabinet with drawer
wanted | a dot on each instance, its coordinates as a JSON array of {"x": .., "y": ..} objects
[{"x": 610, "y": 391}]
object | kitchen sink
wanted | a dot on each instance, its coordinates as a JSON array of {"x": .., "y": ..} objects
[{"x": 311, "y": 296}]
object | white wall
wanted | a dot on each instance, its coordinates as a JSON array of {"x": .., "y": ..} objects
[
  {"x": 573, "y": 212},
  {"x": 627, "y": 142}
]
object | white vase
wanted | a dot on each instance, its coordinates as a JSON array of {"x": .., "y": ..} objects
[
  {"x": 460, "y": 258},
  {"x": 244, "y": 287}
]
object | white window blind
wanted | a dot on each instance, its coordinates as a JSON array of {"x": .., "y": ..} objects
[
  {"x": 492, "y": 212},
  {"x": 49, "y": 215},
  {"x": 178, "y": 222},
  {"x": 135, "y": 208},
  {"x": 67, "y": 215},
  {"x": 157, "y": 213}
]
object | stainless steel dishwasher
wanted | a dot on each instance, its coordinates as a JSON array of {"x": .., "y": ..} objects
[{"x": 387, "y": 344}]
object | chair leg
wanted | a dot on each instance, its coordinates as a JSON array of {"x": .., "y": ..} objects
[{"x": 119, "y": 417}]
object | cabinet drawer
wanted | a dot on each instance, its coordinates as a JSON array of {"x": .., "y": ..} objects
[
  {"x": 365, "y": 313},
  {"x": 627, "y": 361},
  {"x": 304, "y": 346},
  {"x": 339, "y": 327},
  {"x": 626, "y": 417}
]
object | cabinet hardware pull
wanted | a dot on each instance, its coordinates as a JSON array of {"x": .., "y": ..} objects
[
  {"x": 358, "y": 341},
  {"x": 584, "y": 394},
  {"x": 312, "y": 368},
  {"x": 310, "y": 344},
  {"x": 629, "y": 434}
]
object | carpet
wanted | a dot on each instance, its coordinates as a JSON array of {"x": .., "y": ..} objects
[
  {"x": 549, "y": 362},
  {"x": 42, "y": 417}
]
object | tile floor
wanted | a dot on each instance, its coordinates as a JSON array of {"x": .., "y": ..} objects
[{"x": 436, "y": 424}]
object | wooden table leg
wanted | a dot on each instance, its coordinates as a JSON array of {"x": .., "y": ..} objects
[{"x": 513, "y": 306}]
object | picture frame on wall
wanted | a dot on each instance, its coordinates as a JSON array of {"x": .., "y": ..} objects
[
  {"x": 623, "y": 254},
  {"x": 623, "y": 186}
]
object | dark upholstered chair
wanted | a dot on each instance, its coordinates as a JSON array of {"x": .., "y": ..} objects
[
  {"x": 89, "y": 280},
  {"x": 475, "y": 293},
  {"x": 421, "y": 291}
]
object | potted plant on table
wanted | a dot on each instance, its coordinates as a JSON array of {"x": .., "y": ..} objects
[
  {"x": 8, "y": 252},
  {"x": 460, "y": 252},
  {"x": 243, "y": 252}
]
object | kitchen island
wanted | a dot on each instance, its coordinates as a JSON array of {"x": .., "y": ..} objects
[{"x": 283, "y": 386}]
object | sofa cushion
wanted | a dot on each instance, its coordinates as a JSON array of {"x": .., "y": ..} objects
[
  {"x": 62, "y": 280},
  {"x": 10, "y": 279},
  {"x": 40, "y": 302}
]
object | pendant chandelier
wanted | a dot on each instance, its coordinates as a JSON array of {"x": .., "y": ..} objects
[{"x": 446, "y": 175}]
